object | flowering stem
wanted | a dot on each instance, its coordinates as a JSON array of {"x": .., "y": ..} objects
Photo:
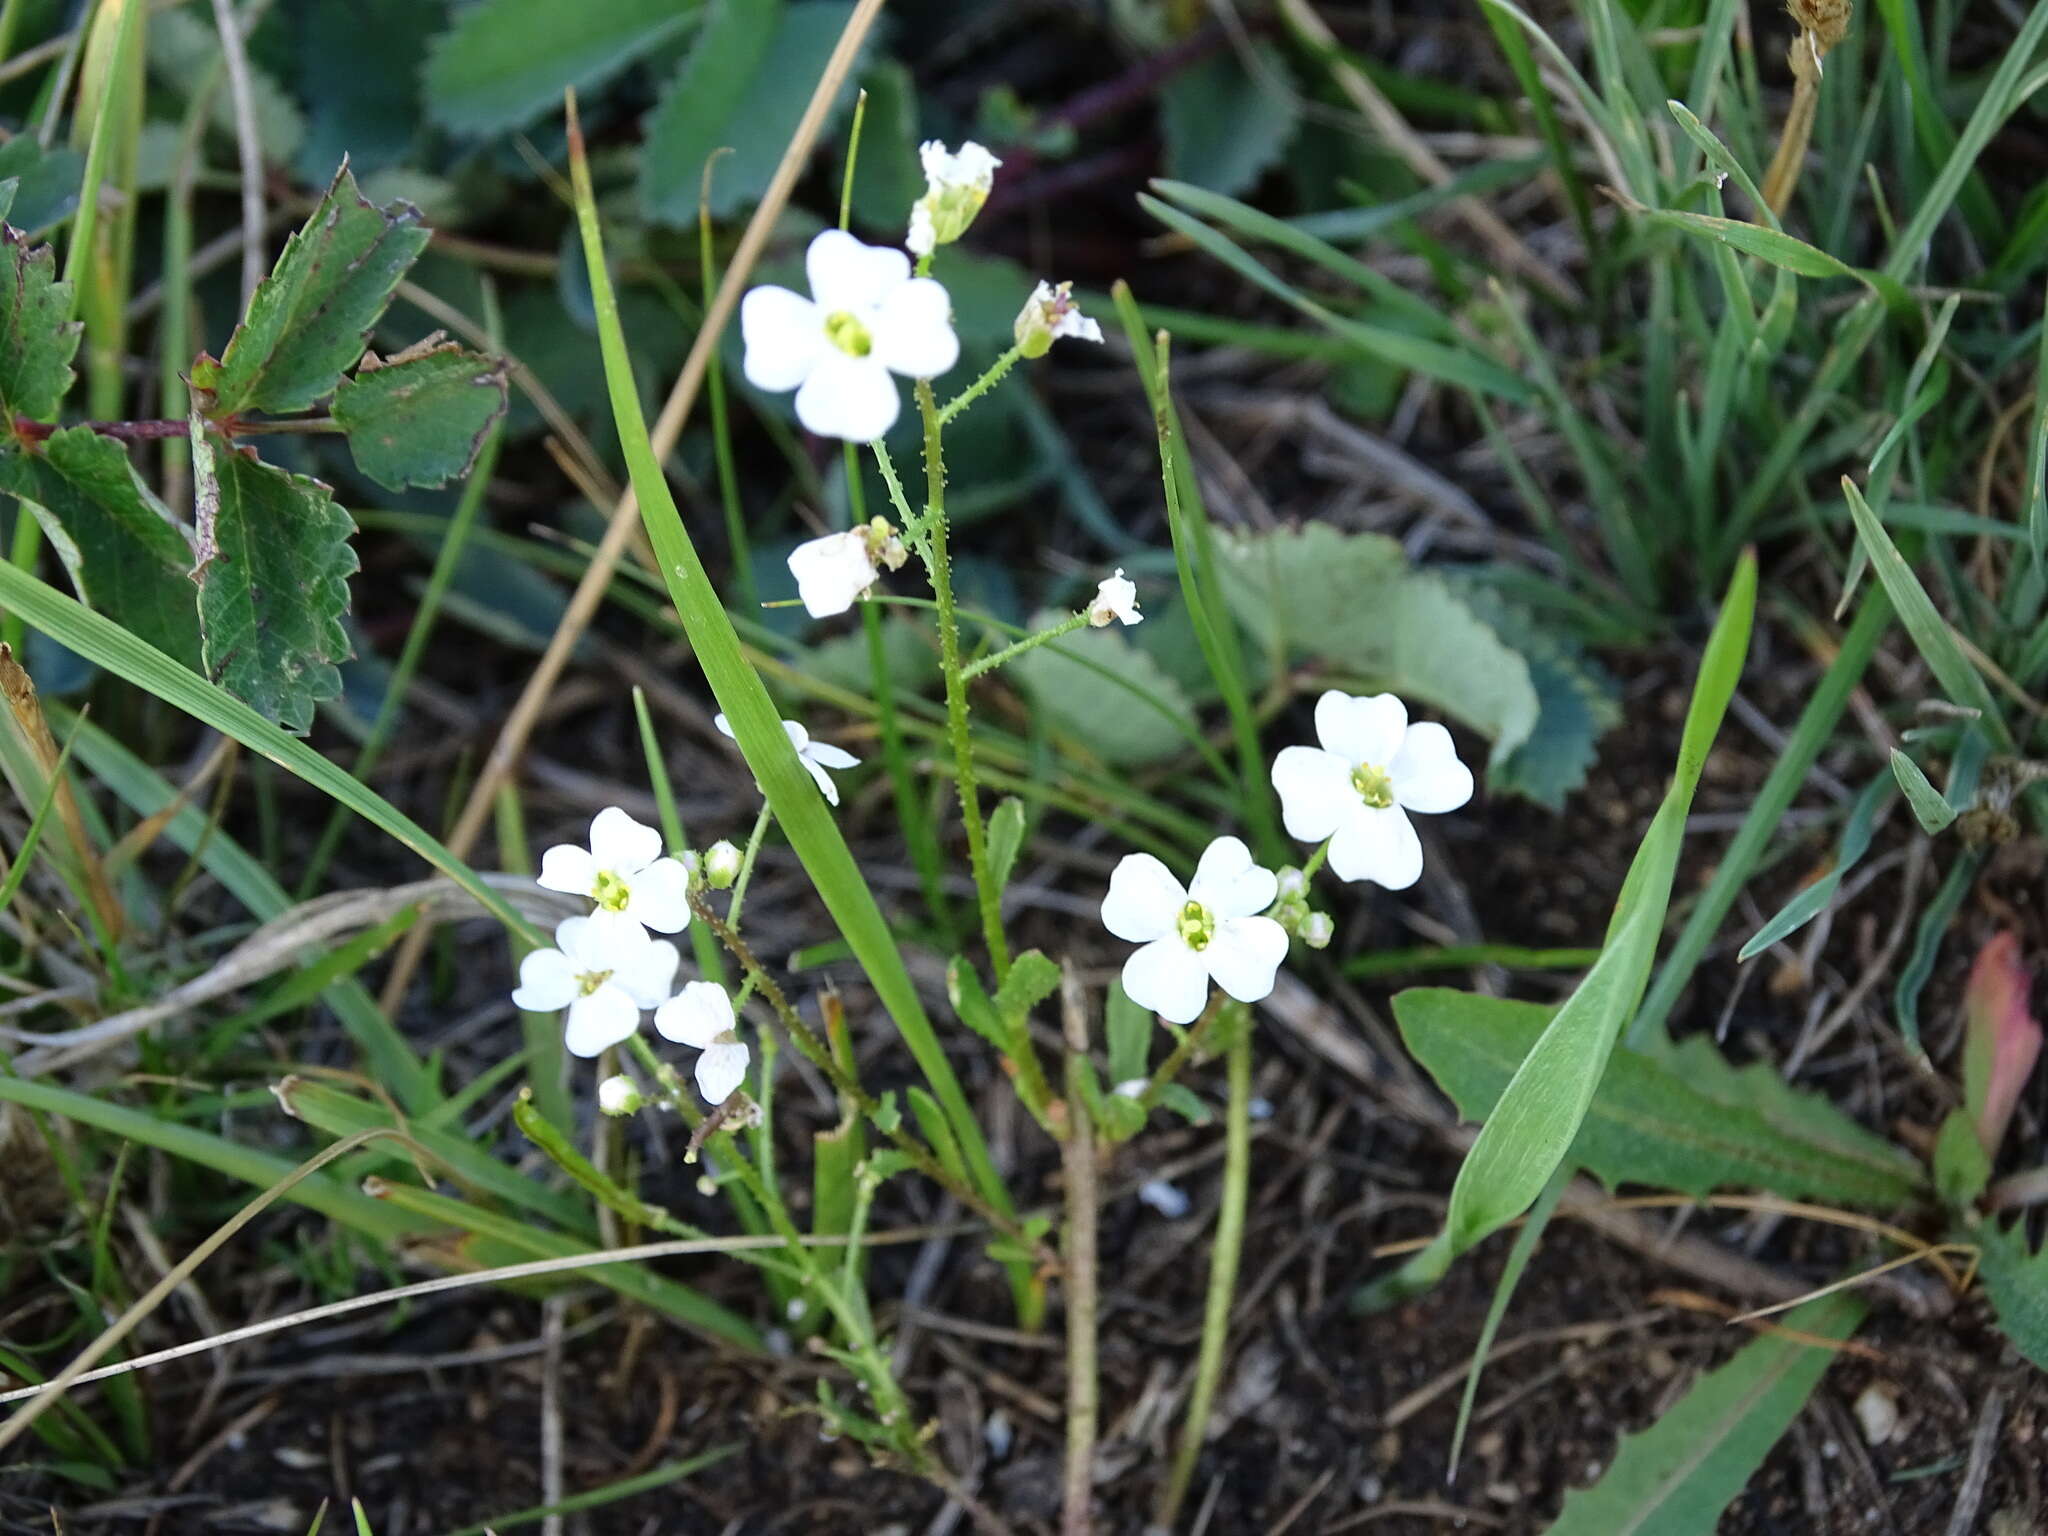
[
  {"x": 1183, "y": 1050},
  {"x": 1237, "y": 1148},
  {"x": 1010, "y": 653},
  {"x": 739, "y": 886},
  {"x": 980, "y": 387},
  {"x": 1316, "y": 860},
  {"x": 1078, "y": 1245},
  {"x": 939, "y": 563}
]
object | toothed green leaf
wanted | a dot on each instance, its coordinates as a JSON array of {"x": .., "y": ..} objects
[
  {"x": 37, "y": 337},
  {"x": 420, "y": 419}
]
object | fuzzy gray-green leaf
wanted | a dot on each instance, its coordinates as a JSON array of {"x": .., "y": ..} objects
[
  {"x": 1123, "y": 709},
  {"x": 2016, "y": 1279},
  {"x": 419, "y": 419}
]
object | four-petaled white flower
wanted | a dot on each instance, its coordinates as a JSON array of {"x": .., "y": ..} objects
[
  {"x": 701, "y": 1015},
  {"x": 605, "y": 970},
  {"x": 866, "y": 318},
  {"x": 1357, "y": 789},
  {"x": 1047, "y": 316},
  {"x": 623, "y": 871},
  {"x": 834, "y": 572},
  {"x": 1209, "y": 929},
  {"x": 956, "y": 185},
  {"x": 816, "y": 756},
  {"x": 1115, "y": 598}
]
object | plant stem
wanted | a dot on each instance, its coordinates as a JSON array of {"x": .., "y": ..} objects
[
  {"x": 1183, "y": 1050},
  {"x": 1782, "y": 178},
  {"x": 1010, "y": 653},
  {"x": 157, "y": 428},
  {"x": 1077, "y": 1160},
  {"x": 980, "y": 387},
  {"x": 939, "y": 563},
  {"x": 739, "y": 886},
  {"x": 1237, "y": 1150}
]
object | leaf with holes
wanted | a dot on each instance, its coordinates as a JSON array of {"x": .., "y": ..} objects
[
  {"x": 506, "y": 62},
  {"x": 274, "y": 563},
  {"x": 114, "y": 538},
  {"x": 37, "y": 337},
  {"x": 420, "y": 417},
  {"x": 309, "y": 318}
]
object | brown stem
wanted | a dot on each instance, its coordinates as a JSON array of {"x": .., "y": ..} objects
[
  {"x": 156, "y": 429},
  {"x": 1077, "y": 1161}
]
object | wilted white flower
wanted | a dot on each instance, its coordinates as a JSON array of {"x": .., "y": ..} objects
[
  {"x": 1115, "y": 598},
  {"x": 816, "y": 756},
  {"x": 1357, "y": 789},
  {"x": 722, "y": 863},
  {"x": 604, "y": 969},
  {"x": 956, "y": 185},
  {"x": 866, "y": 318},
  {"x": 1190, "y": 935},
  {"x": 701, "y": 1015},
  {"x": 1049, "y": 314},
  {"x": 834, "y": 572},
  {"x": 619, "y": 1095},
  {"x": 624, "y": 871}
]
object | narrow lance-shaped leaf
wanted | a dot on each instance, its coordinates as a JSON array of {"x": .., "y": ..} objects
[
  {"x": 309, "y": 318},
  {"x": 419, "y": 418}
]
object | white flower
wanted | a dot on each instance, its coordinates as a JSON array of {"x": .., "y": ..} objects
[
  {"x": 1115, "y": 598},
  {"x": 956, "y": 185},
  {"x": 604, "y": 969},
  {"x": 623, "y": 870},
  {"x": 1049, "y": 314},
  {"x": 1190, "y": 935},
  {"x": 701, "y": 1015},
  {"x": 833, "y": 573},
  {"x": 866, "y": 318},
  {"x": 816, "y": 756},
  {"x": 1357, "y": 789},
  {"x": 618, "y": 1095}
]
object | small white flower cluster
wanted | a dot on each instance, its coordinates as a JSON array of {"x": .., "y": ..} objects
[
  {"x": 606, "y": 969},
  {"x": 1355, "y": 790}
]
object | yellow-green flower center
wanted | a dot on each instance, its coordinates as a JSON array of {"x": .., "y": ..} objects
[
  {"x": 1373, "y": 786},
  {"x": 1195, "y": 926},
  {"x": 589, "y": 981},
  {"x": 845, "y": 331},
  {"x": 610, "y": 892}
]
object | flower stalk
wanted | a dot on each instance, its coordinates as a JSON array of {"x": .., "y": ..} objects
[{"x": 1010, "y": 653}]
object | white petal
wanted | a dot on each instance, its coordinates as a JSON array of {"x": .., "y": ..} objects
[
  {"x": 600, "y": 1020},
  {"x": 1244, "y": 955},
  {"x": 914, "y": 332},
  {"x": 1426, "y": 772},
  {"x": 566, "y": 867},
  {"x": 1229, "y": 884},
  {"x": 603, "y": 941},
  {"x": 1361, "y": 730},
  {"x": 724, "y": 725},
  {"x": 697, "y": 1015},
  {"x": 547, "y": 981},
  {"x": 824, "y": 780},
  {"x": 1379, "y": 846},
  {"x": 845, "y": 274},
  {"x": 721, "y": 1069},
  {"x": 621, "y": 844},
  {"x": 661, "y": 897},
  {"x": 785, "y": 336},
  {"x": 923, "y": 238},
  {"x": 1169, "y": 979},
  {"x": 1143, "y": 900},
  {"x": 1315, "y": 791},
  {"x": 853, "y": 398},
  {"x": 831, "y": 573},
  {"x": 829, "y": 756},
  {"x": 798, "y": 736},
  {"x": 648, "y": 975}
]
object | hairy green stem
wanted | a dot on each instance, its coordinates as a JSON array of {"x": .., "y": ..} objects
[
  {"x": 1078, "y": 1246},
  {"x": 1010, "y": 653},
  {"x": 746, "y": 874},
  {"x": 980, "y": 387}
]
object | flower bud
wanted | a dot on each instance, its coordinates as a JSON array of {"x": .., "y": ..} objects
[
  {"x": 1291, "y": 881},
  {"x": 619, "y": 1096},
  {"x": 956, "y": 185},
  {"x": 722, "y": 864},
  {"x": 1317, "y": 930},
  {"x": 1049, "y": 314}
]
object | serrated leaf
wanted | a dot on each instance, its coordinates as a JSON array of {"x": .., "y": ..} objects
[
  {"x": 122, "y": 554},
  {"x": 308, "y": 320},
  {"x": 47, "y": 180},
  {"x": 1759, "y": 1088},
  {"x": 1676, "y": 1477},
  {"x": 358, "y": 68},
  {"x": 743, "y": 88},
  {"x": 1109, "y": 698},
  {"x": 420, "y": 418},
  {"x": 1226, "y": 124},
  {"x": 1647, "y": 1123},
  {"x": 182, "y": 50},
  {"x": 1576, "y": 703},
  {"x": 1352, "y": 602},
  {"x": 2016, "y": 1279},
  {"x": 505, "y": 62},
  {"x": 274, "y": 563},
  {"x": 37, "y": 337}
]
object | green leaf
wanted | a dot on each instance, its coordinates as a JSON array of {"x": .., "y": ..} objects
[
  {"x": 114, "y": 537},
  {"x": 2016, "y": 1279},
  {"x": 1129, "y": 1029},
  {"x": 505, "y": 62},
  {"x": 1094, "y": 705},
  {"x": 1575, "y": 702},
  {"x": 274, "y": 563},
  {"x": 1352, "y": 602},
  {"x": 743, "y": 88},
  {"x": 1933, "y": 812},
  {"x": 182, "y": 50},
  {"x": 972, "y": 1004},
  {"x": 1757, "y": 1088},
  {"x": 1813, "y": 899},
  {"x": 1032, "y": 979},
  {"x": 887, "y": 178},
  {"x": 420, "y": 418},
  {"x": 47, "y": 182},
  {"x": 1225, "y": 123},
  {"x": 37, "y": 335},
  {"x": 309, "y": 318},
  {"x": 1676, "y": 1477},
  {"x": 1649, "y": 1123},
  {"x": 1005, "y": 839},
  {"x": 1961, "y": 1168}
]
